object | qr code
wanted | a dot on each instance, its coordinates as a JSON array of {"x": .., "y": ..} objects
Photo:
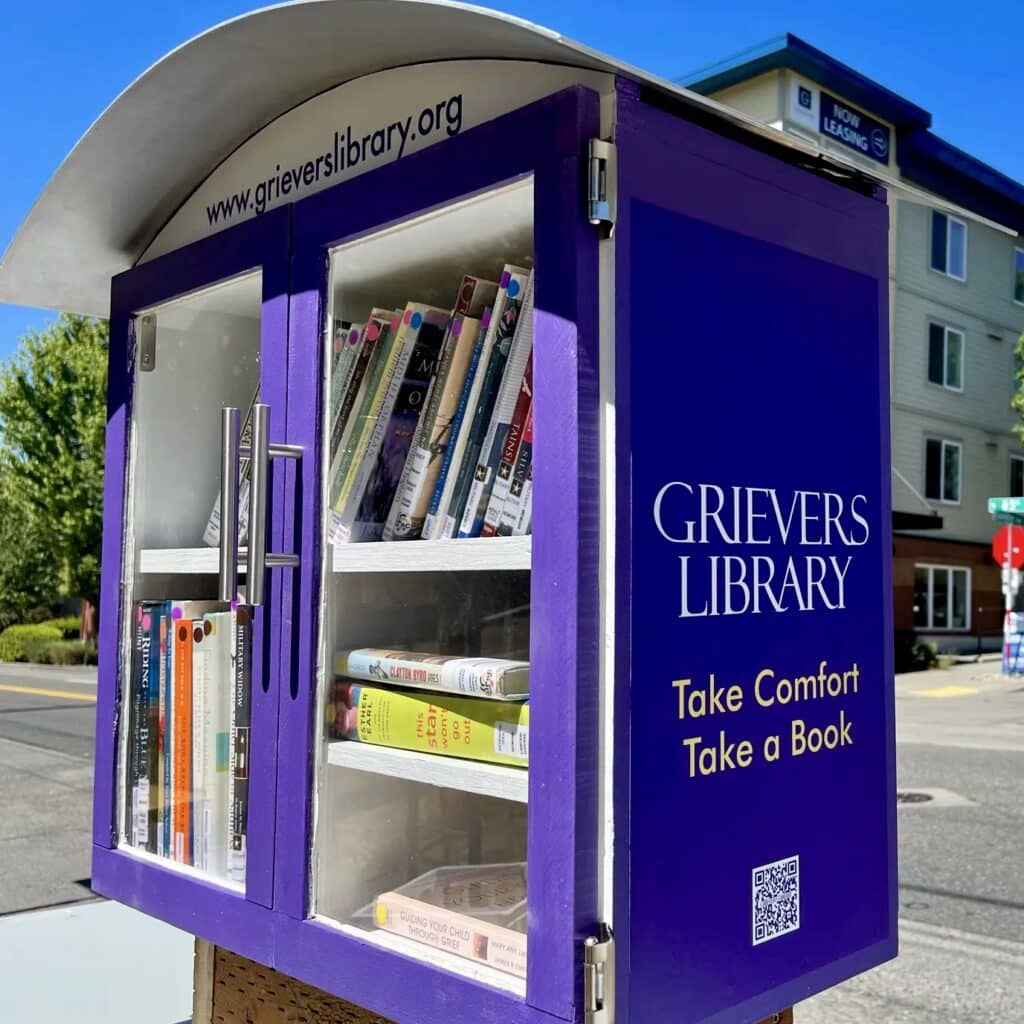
[{"x": 775, "y": 890}]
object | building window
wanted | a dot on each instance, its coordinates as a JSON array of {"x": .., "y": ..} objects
[
  {"x": 1017, "y": 476},
  {"x": 946, "y": 357},
  {"x": 942, "y": 470},
  {"x": 942, "y": 597},
  {"x": 1018, "y": 276},
  {"x": 949, "y": 245}
]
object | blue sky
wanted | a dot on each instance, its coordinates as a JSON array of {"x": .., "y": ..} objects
[{"x": 63, "y": 61}]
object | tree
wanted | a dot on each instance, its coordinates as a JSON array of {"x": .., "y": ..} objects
[
  {"x": 28, "y": 577},
  {"x": 52, "y": 421}
]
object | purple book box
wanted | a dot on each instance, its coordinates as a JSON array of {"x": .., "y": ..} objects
[{"x": 708, "y": 816}]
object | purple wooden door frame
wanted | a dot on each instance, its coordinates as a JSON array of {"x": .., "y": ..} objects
[
  {"x": 550, "y": 144},
  {"x": 205, "y": 909},
  {"x": 668, "y": 163}
]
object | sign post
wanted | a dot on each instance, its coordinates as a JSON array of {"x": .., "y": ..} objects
[{"x": 1008, "y": 551}]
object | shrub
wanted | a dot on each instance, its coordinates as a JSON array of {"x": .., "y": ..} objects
[
  {"x": 70, "y": 626},
  {"x": 912, "y": 654},
  {"x": 13, "y": 640},
  {"x": 69, "y": 652}
]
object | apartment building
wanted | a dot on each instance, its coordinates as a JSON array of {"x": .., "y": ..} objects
[{"x": 956, "y": 311}]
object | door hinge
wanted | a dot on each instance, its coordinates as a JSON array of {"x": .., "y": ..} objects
[
  {"x": 146, "y": 341},
  {"x": 599, "y": 978},
  {"x": 602, "y": 186}
]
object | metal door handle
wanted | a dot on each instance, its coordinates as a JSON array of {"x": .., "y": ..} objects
[{"x": 260, "y": 453}]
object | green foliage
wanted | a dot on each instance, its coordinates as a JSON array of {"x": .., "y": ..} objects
[
  {"x": 70, "y": 626},
  {"x": 912, "y": 654},
  {"x": 52, "y": 421},
  {"x": 16, "y": 642},
  {"x": 66, "y": 652},
  {"x": 1017, "y": 402}
]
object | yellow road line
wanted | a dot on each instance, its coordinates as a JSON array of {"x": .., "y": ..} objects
[
  {"x": 947, "y": 691},
  {"x": 91, "y": 697}
]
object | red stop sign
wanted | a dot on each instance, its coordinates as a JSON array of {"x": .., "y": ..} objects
[{"x": 1008, "y": 546}]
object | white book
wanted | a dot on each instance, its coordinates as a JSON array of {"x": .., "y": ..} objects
[{"x": 213, "y": 769}]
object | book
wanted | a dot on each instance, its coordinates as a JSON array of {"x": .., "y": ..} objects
[
  {"x": 501, "y": 334},
  {"x": 198, "y": 752},
  {"x": 496, "y": 678},
  {"x": 345, "y": 349},
  {"x": 157, "y": 616},
  {"x": 482, "y": 476},
  {"x": 163, "y": 741},
  {"x": 211, "y": 535},
  {"x": 509, "y": 453},
  {"x": 363, "y": 411},
  {"x": 477, "y": 912},
  {"x": 136, "y": 757},
  {"x": 456, "y": 442},
  {"x": 181, "y": 785},
  {"x": 419, "y": 477},
  {"x": 238, "y": 744},
  {"x": 520, "y": 487},
  {"x": 357, "y": 433},
  {"x": 481, "y": 730},
  {"x": 399, "y": 415}
]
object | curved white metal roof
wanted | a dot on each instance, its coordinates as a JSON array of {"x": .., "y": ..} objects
[{"x": 171, "y": 127}]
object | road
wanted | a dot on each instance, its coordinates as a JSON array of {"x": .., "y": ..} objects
[
  {"x": 47, "y": 716},
  {"x": 960, "y": 740},
  {"x": 960, "y": 736}
]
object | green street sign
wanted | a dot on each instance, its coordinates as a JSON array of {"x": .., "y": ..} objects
[
  {"x": 1008, "y": 517},
  {"x": 1007, "y": 506}
]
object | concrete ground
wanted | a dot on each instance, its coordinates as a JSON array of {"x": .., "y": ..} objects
[{"x": 960, "y": 738}]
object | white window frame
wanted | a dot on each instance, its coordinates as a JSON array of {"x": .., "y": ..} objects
[
  {"x": 946, "y": 329},
  {"x": 1018, "y": 253},
  {"x": 950, "y": 219},
  {"x": 950, "y": 569},
  {"x": 944, "y": 442},
  {"x": 1014, "y": 457}
]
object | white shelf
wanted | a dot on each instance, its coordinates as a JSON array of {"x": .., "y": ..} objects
[
  {"x": 501, "y": 781},
  {"x": 471, "y": 554},
  {"x": 180, "y": 560}
]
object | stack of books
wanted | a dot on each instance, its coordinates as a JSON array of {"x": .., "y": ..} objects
[
  {"x": 187, "y": 771},
  {"x": 476, "y": 708},
  {"x": 477, "y": 912},
  {"x": 431, "y": 417}
]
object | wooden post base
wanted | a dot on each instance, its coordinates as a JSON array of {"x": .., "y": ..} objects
[{"x": 232, "y": 990}]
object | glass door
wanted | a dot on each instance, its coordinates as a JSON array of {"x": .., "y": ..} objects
[
  {"x": 435, "y": 722},
  {"x": 195, "y": 649}
]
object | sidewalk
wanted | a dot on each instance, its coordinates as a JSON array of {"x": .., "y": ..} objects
[{"x": 94, "y": 963}]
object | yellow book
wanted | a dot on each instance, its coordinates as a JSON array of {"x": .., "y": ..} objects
[{"x": 481, "y": 730}]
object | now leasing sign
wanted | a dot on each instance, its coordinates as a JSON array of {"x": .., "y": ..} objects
[{"x": 853, "y": 129}]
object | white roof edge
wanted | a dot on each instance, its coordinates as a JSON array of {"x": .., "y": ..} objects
[{"x": 140, "y": 159}]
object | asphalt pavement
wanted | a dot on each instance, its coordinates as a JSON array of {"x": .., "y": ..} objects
[
  {"x": 960, "y": 746},
  {"x": 960, "y": 735}
]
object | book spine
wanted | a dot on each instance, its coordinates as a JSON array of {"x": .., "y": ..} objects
[
  {"x": 509, "y": 453},
  {"x": 456, "y": 438},
  {"x": 218, "y": 719},
  {"x": 238, "y": 812},
  {"x": 493, "y": 678},
  {"x": 524, "y": 523},
  {"x": 399, "y": 418},
  {"x": 504, "y": 334},
  {"x": 399, "y": 521},
  {"x": 507, "y": 391},
  {"x": 494, "y": 731},
  {"x": 152, "y": 768},
  {"x": 510, "y": 514},
  {"x": 136, "y": 707},
  {"x": 199, "y": 752},
  {"x": 351, "y": 457},
  {"x": 168, "y": 741},
  {"x": 182, "y": 784},
  {"x": 162, "y": 720},
  {"x": 451, "y": 931}
]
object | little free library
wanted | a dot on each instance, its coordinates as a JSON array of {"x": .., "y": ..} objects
[{"x": 484, "y": 634}]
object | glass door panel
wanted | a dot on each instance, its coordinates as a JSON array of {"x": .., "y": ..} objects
[{"x": 421, "y": 813}]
